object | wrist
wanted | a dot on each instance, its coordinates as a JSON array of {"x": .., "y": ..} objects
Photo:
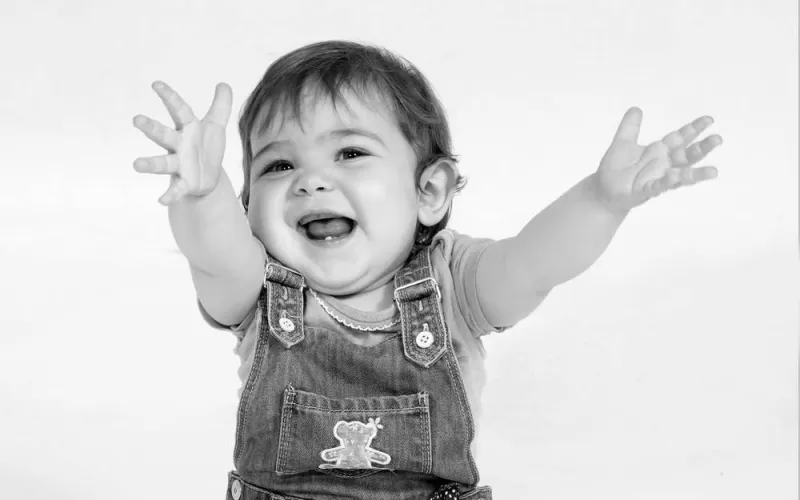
[
  {"x": 221, "y": 187},
  {"x": 598, "y": 195}
]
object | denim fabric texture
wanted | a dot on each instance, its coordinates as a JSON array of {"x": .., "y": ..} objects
[
  {"x": 323, "y": 418},
  {"x": 238, "y": 489}
]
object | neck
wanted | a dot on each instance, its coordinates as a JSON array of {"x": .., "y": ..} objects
[{"x": 375, "y": 299}]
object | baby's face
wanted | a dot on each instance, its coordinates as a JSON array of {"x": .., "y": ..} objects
[{"x": 355, "y": 164}]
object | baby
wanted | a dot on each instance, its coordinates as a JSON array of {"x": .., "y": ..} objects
[{"x": 358, "y": 315}]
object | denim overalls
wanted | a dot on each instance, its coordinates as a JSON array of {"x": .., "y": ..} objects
[{"x": 322, "y": 418}]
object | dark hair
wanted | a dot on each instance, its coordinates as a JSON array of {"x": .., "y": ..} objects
[{"x": 329, "y": 67}]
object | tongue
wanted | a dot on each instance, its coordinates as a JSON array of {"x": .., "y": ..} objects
[{"x": 321, "y": 229}]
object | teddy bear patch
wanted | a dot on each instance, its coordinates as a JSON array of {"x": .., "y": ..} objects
[{"x": 354, "y": 450}]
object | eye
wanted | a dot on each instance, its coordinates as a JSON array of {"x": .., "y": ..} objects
[
  {"x": 350, "y": 154},
  {"x": 277, "y": 164}
]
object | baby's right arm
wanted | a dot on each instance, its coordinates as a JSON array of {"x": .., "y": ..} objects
[{"x": 209, "y": 226}]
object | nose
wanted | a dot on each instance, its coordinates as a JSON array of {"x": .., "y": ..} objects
[{"x": 312, "y": 180}]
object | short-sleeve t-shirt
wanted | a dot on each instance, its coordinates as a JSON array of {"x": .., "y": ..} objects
[{"x": 454, "y": 258}]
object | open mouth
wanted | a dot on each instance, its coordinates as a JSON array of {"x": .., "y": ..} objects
[{"x": 328, "y": 229}]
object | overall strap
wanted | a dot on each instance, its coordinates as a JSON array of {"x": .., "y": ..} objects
[
  {"x": 425, "y": 336},
  {"x": 282, "y": 299}
]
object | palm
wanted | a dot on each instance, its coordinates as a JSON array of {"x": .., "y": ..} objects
[
  {"x": 196, "y": 147},
  {"x": 200, "y": 155},
  {"x": 630, "y": 174}
]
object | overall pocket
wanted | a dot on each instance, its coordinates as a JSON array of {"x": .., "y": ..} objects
[{"x": 353, "y": 437}]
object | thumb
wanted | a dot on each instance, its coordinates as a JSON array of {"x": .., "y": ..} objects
[
  {"x": 630, "y": 125},
  {"x": 220, "y": 110}
]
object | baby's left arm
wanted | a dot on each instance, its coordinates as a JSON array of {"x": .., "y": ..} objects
[{"x": 569, "y": 235}]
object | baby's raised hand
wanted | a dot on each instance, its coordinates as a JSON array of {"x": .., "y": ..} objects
[
  {"x": 630, "y": 174},
  {"x": 195, "y": 147}
]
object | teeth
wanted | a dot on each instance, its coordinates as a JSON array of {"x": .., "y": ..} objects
[{"x": 328, "y": 238}]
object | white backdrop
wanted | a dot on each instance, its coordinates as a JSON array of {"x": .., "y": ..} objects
[{"x": 668, "y": 370}]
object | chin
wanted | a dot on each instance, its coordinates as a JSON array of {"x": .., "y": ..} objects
[
  {"x": 336, "y": 286},
  {"x": 339, "y": 270}
]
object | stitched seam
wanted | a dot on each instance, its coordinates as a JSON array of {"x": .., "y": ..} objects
[
  {"x": 287, "y": 339},
  {"x": 389, "y": 336},
  {"x": 329, "y": 410},
  {"x": 288, "y": 401},
  {"x": 426, "y": 357},
  {"x": 255, "y": 373},
  {"x": 299, "y": 309},
  {"x": 272, "y": 314},
  {"x": 428, "y": 445},
  {"x": 463, "y": 402},
  {"x": 465, "y": 412},
  {"x": 421, "y": 357},
  {"x": 436, "y": 308},
  {"x": 367, "y": 472},
  {"x": 420, "y": 431}
]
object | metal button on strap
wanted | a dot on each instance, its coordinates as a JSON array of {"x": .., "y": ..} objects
[
  {"x": 286, "y": 324},
  {"x": 425, "y": 337},
  {"x": 236, "y": 489}
]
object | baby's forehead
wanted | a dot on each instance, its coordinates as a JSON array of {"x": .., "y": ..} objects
[{"x": 306, "y": 110}]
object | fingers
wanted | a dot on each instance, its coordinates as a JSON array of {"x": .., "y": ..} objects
[
  {"x": 630, "y": 126},
  {"x": 176, "y": 191},
  {"x": 180, "y": 112},
  {"x": 166, "y": 164},
  {"x": 220, "y": 110},
  {"x": 704, "y": 174},
  {"x": 159, "y": 133},
  {"x": 682, "y": 151},
  {"x": 674, "y": 178},
  {"x": 688, "y": 133},
  {"x": 685, "y": 157}
]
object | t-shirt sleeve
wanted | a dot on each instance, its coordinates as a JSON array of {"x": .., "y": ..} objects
[{"x": 464, "y": 253}]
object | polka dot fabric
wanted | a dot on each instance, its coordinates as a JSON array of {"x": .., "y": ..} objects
[{"x": 446, "y": 492}]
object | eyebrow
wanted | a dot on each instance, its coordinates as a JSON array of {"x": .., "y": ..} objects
[{"x": 337, "y": 133}]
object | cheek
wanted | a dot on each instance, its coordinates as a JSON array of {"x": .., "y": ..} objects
[
  {"x": 395, "y": 183},
  {"x": 392, "y": 197},
  {"x": 391, "y": 210}
]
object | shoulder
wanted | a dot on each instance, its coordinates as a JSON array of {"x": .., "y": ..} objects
[
  {"x": 454, "y": 258},
  {"x": 456, "y": 248}
]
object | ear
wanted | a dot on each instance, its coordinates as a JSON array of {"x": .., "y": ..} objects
[{"x": 436, "y": 190}]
